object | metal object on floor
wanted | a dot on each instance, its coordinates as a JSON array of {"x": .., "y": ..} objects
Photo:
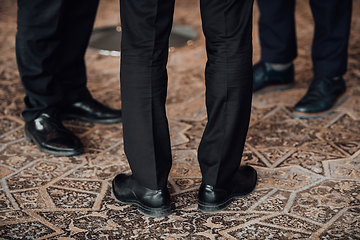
[{"x": 107, "y": 39}]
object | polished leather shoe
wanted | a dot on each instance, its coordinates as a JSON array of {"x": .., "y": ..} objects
[
  {"x": 267, "y": 79},
  {"x": 212, "y": 199},
  {"x": 323, "y": 95},
  {"x": 152, "y": 203},
  {"x": 51, "y": 137},
  {"x": 90, "y": 111}
]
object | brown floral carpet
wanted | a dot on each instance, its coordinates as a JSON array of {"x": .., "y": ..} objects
[{"x": 309, "y": 170}]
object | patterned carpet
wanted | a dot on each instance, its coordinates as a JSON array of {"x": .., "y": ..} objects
[{"x": 309, "y": 170}]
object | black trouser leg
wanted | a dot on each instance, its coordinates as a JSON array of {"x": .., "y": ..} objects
[
  {"x": 331, "y": 37},
  {"x": 71, "y": 70},
  {"x": 43, "y": 49},
  {"x": 227, "y": 27},
  {"x": 277, "y": 30},
  {"x": 146, "y": 26}
]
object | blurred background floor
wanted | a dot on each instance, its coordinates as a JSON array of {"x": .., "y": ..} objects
[{"x": 309, "y": 170}]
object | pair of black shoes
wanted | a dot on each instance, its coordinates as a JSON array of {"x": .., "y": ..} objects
[
  {"x": 323, "y": 95},
  {"x": 157, "y": 203},
  {"x": 50, "y": 135}
]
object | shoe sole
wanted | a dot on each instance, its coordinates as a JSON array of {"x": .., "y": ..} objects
[
  {"x": 84, "y": 119},
  {"x": 211, "y": 208},
  {"x": 338, "y": 102},
  {"x": 146, "y": 211},
  {"x": 274, "y": 88},
  {"x": 31, "y": 139}
]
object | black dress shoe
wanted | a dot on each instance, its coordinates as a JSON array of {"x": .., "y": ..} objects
[
  {"x": 323, "y": 95},
  {"x": 267, "y": 79},
  {"x": 213, "y": 199},
  {"x": 51, "y": 137},
  {"x": 90, "y": 111},
  {"x": 152, "y": 203}
]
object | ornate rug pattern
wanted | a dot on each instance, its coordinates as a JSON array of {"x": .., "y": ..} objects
[{"x": 309, "y": 170}]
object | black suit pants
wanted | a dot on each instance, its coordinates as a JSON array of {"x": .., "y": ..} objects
[
  {"x": 146, "y": 26},
  {"x": 51, "y": 41},
  {"x": 331, "y": 36}
]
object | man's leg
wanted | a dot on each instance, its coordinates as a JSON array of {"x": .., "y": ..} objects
[
  {"x": 76, "y": 28},
  {"x": 275, "y": 71},
  {"x": 277, "y": 31},
  {"x": 331, "y": 37},
  {"x": 329, "y": 55},
  {"x": 37, "y": 40},
  {"x": 227, "y": 27},
  {"x": 146, "y": 26}
]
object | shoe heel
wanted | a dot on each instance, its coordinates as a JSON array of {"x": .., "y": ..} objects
[
  {"x": 344, "y": 97},
  {"x": 156, "y": 213},
  {"x": 28, "y": 137},
  {"x": 212, "y": 208}
]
